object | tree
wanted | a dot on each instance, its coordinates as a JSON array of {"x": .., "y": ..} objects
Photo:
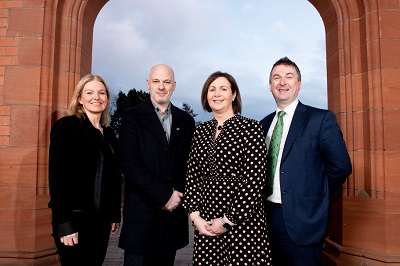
[
  {"x": 122, "y": 102},
  {"x": 119, "y": 103},
  {"x": 186, "y": 107}
]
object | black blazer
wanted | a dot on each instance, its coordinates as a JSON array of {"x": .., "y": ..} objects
[
  {"x": 76, "y": 149},
  {"x": 314, "y": 161},
  {"x": 153, "y": 168}
]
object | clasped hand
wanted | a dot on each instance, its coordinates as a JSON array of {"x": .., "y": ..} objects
[
  {"x": 174, "y": 201},
  {"x": 209, "y": 228}
]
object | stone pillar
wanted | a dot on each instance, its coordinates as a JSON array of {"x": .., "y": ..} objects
[
  {"x": 45, "y": 47},
  {"x": 363, "y": 59}
]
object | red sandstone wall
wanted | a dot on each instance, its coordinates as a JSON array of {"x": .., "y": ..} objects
[
  {"x": 363, "y": 40},
  {"x": 45, "y": 47}
]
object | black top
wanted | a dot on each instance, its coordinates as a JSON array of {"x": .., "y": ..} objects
[{"x": 83, "y": 172}]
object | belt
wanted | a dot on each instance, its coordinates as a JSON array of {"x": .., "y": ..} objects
[{"x": 274, "y": 204}]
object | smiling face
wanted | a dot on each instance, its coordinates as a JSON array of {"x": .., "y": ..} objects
[
  {"x": 94, "y": 98},
  {"x": 161, "y": 84},
  {"x": 284, "y": 85},
  {"x": 220, "y": 96}
]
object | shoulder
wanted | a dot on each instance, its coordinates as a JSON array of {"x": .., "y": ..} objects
[
  {"x": 249, "y": 129},
  {"x": 134, "y": 114},
  {"x": 180, "y": 113},
  {"x": 66, "y": 121},
  {"x": 268, "y": 118},
  {"x": 137, "y": 108},
  {"x": 315, "y": 111},
  {"x": 64, "y": 127},
  {"x": 316, "y": 116},
  {"x": 246, "y": 121},
  {"x": 248, "y": 124},
  {"x": 206, "y": 124},
  {"x": 310, "y": 108},
  {"x": 175, "y": 110},
  {"x": 204, "y": 128}
]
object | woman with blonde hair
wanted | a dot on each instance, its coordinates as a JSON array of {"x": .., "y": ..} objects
[{"x": 84, "y": 176}]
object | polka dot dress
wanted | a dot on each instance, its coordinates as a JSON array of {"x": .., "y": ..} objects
[{"x": 227, "y": 176}]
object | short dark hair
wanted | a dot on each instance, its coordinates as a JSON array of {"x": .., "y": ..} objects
[
  {"x": 287, "y": 62},
  {"x": 236, "y": 104}
]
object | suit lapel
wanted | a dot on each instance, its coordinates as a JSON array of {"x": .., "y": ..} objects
[
  {"x": 151, "y": 121},
  {"x": 177, "y": 125},
  {"x": 266, "y": 122},
  {"x": 295, "y": 126}
]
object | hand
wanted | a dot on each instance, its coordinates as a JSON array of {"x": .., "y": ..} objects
[
  {"x": 201, "y": 225},
  {"x": 174, "y": 201},
  {"x": 114, "y": 228},
  {"x": 215, "y": 226},
  {"x": 70, "y": 240}
]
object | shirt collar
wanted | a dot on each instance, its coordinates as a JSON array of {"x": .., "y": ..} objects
[
  {"x": 290, "y": 109},
  {"x": 158, "y": 110}
]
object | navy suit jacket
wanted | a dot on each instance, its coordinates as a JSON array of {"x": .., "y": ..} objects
[{"x": 314, "y": 162}]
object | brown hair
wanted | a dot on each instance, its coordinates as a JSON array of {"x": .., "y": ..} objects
[
  {"x": 236, "y": 104},
  {"x": 287, "y": 62},
  {"x": 75, "y": 108}
]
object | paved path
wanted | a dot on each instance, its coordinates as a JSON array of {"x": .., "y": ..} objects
[{"x": 115, "y": 255}]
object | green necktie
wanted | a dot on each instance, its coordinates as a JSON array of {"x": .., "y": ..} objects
[{"x": 273, "y": 151}]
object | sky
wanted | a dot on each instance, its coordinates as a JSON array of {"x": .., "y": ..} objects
[{"x": 199, "y": 37}]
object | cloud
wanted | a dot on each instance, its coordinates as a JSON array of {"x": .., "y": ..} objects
[
  {"x": 279, "y": 25},
  {"x": 199, "y": 37},
  {"x": 247, "y": 7}
]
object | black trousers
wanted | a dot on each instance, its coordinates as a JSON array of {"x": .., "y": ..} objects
[
  {"x": 93, "y": 235},
  {"x": 159, "y": 259},
  {"x": 284, "y": 251}
]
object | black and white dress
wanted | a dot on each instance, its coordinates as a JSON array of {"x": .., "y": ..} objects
[{"x": 226, "y": 175}]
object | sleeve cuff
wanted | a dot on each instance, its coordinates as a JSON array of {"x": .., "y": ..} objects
[{"x": 65, "y": 229}]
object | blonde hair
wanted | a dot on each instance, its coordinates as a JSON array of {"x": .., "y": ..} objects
[{"x": 75, "y": 108}]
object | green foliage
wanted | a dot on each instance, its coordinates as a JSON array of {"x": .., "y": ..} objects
[
  {"x": 124, "y": 101},
  {"x": 186, "y": 107}
]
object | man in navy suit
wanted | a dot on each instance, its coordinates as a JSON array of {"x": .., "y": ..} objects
[
  {"x": 155, "y": 140},
  {"x": 312, "y": 162}
]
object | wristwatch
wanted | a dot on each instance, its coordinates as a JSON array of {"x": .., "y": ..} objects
[{"x": 225, "y": 224}]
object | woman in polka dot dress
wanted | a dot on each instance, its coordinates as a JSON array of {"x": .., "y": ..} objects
[{"x": 225, "y": 179}]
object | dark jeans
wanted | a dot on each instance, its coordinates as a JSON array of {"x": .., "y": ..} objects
[
  {"x": 164, "y": 259},
  {"x": 284, "y": 251}
]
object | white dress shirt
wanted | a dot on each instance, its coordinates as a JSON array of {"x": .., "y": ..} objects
[{"x": 287, "y": 120}]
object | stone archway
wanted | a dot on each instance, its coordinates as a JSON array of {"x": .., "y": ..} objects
[
  {"x": 363, "y": 67},
  {"x": 45, "y": 47}
]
